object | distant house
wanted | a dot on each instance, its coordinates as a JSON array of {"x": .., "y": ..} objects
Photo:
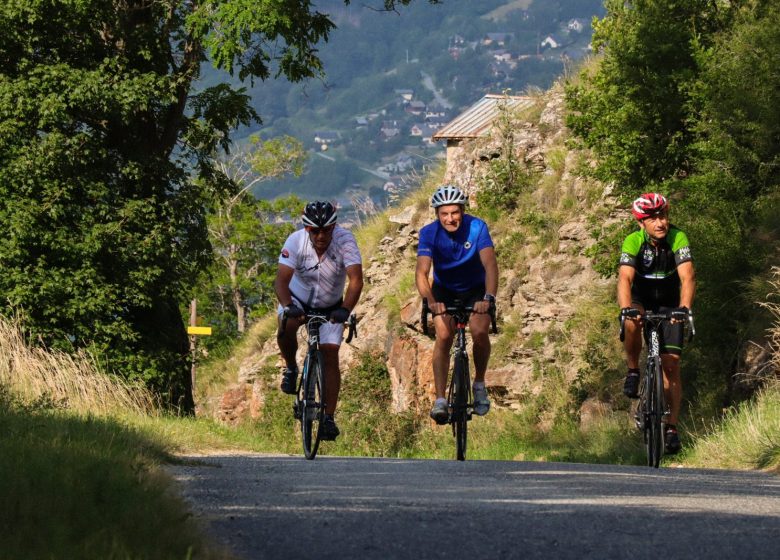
[
  {"x": 475, "y": 122},
  {"x": 416, "y": 129},
  {"x": 502, "y": 55},
  {"x": 551, "y": 41},
  {"x": 406, "y": 95},
  {"x": 436, "y": 122},
  {"x": 575, "y": 25},
  {"x": 361, "y": 121},
  {"x": 390, "y": 129},
  {"x": 498, "y": 39},
  {"x": 435, "y": 110},
  {"x": 326, "y": 137},
  {"x": 415, "y": 107}
]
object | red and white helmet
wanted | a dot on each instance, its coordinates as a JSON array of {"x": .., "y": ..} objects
[{"x": 648, "y": 204}]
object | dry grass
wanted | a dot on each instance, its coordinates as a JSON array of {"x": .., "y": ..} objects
[
  {"x": 69, "y": 381},
  {"x": 749, "y": 436},
  {"x": 774, "y": 333}
]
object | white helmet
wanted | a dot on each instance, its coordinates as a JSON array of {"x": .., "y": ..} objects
[{"x": 447, "y": 194}]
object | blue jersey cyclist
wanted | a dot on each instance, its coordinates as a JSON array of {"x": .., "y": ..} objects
[
  {"x": 459, "y": 248},
  {"x": 656, "y": 274}
]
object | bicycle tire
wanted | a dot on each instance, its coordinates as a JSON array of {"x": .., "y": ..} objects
[
  {"x": 654, "y": 412},
  {"x": 313, "y": 404},
  {"x": 460, "y": 375}
]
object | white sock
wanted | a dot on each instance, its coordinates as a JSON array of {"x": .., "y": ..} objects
[
  {"x": 441, "y": 401},
  {"x": 479, "y": 385}
]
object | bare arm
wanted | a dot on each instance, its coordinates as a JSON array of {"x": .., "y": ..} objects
[
  {"x": 355, "y": 287},
  {"x": 282, "y": 284},
  {"x": 687, "y": 284},
  {"x": 625, "y": 280},
  {"x": 421, "y": 279},
  {"x": 488, "y": 258}
]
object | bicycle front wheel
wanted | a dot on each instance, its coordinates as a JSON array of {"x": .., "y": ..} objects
[
  {"x": 654, "y": 436},
  {"x": 313, "y": 405},
  {"x": 460, "y": 376}
]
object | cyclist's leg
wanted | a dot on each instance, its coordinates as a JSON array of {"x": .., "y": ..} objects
[
  {"x": 632, "y": 343},
  {"x": 288, "y": 340},
  {"x": 330, "y": 342},
  {"x": 288, "y": 347},
  {"x": 672, "y": 385},
  {"x": 479, "y": 324},
  {"x": 441, "y": 352},
  {"x": 671, "y": 350}
]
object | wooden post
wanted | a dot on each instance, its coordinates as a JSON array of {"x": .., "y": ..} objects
[{"x": 193, "y": 322}]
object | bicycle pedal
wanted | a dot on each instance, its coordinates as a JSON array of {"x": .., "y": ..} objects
[{"x": 297, "y": 410}]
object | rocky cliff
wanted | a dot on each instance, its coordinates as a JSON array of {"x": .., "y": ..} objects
[{"x": 545, "y": 274}]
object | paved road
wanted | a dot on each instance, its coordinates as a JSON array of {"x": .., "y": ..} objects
[{"x": 287, "y": 507}]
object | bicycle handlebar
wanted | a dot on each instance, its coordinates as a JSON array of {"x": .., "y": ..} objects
[
  {"x": 670, "y": 315},
  {"x": 451, "y": 310}
]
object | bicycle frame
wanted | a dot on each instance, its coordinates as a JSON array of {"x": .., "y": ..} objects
[
  {"x": 651, "y": 410},
  {"x": 459, "y": 395},
  {"x": 309, "y": 404}
]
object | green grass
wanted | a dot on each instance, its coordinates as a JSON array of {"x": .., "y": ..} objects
[
  {"x": 748, "y": 437},
  {"x": 80, "y": 486}
]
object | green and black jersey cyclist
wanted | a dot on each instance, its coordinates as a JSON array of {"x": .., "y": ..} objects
[
  {"x": 460, "y": 249},
  {"x": 656, "y": 274}
]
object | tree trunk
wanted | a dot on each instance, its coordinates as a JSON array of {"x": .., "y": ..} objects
[{"x": 238, "y": 302}]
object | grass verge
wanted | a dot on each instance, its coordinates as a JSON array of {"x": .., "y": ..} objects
[{"x": 748, "y": 437}]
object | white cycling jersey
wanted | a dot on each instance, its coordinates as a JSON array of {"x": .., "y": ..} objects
[{"x": 319, "y": 282}]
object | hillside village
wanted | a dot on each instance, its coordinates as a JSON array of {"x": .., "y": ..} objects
[{"x": 401, "y": 133}]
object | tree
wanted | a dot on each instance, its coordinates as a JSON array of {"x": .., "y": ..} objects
[
  {"x": 103, "y": 134},
  {"x": 245, "y": 233},
  {"x": 633, "y": 109}
]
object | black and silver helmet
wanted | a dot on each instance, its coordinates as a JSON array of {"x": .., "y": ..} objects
[
  {"x": 319, "y": 214},
  {"x": 447, "y": 194}
]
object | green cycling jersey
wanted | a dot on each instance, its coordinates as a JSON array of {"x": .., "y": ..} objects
[{"x": 657, "y": 282}]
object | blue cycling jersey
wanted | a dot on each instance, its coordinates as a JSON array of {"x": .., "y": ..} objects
[{"x": 456, "y": 262}]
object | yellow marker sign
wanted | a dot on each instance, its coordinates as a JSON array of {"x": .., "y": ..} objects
[{"x": 205, "y": 331}]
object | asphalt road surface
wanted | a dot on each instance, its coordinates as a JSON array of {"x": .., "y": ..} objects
[{"x": 264, "y": 506}]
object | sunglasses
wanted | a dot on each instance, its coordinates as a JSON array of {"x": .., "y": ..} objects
[{"x": 317, "y": 231}]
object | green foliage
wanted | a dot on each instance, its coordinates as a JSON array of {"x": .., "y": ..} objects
[
  {"x": 106, "y": 162},
  {"x": 605, "y": 252},
  {"x": 507, "y": 176},
  {"x": 238, "y": 287},
  {"x": 633, "y": 110},
  {"x": 687, "y": 104}
]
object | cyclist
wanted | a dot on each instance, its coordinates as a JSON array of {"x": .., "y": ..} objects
[
  {"x": 656, "y": 274},
  {"x": 314, "y": 265},
  {"x": 461, "y": 251}
]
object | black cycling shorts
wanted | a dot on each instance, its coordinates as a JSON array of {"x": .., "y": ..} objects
[
  {"x": 672, "y": 335},
  {"x": 449, "y": 297}
]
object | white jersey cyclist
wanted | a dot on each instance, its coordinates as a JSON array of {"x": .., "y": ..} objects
[{"x": 319, "y": 282}]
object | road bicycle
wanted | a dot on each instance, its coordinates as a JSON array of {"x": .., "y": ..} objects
[
  {"x": 651, "y": 411},
  {"x": 459, "y": 397},
  {"x": 309, "y": 404}
]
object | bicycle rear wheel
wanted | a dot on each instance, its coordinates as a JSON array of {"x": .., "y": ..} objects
[
  {"x": 654, "y": 436},
  {"x": 460, "y": 376},
  {"x": 313, "y": 404}
]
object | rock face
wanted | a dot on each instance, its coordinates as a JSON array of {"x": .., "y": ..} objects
[{"x": 533, "y": 298}]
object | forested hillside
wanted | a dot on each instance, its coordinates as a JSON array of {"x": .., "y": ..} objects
[{"x": 461, "y": 49}]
